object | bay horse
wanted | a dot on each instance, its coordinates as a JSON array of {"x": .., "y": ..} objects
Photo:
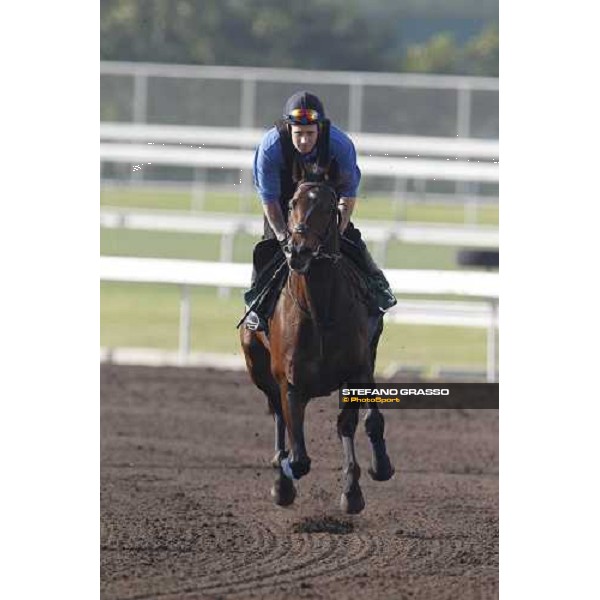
[{"x": 318, "y": 341}]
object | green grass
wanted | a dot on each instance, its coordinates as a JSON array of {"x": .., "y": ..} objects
[
  {"x": 160, "y": 244},
  {"x": 377, "y": 207},
  {"x": 141, "y": 198},
  {"x": 140, "y": 315},
  {"x": 147, "y": 316},
  {"x": 372, "y": 207}
]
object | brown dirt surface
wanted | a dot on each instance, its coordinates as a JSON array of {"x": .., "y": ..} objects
[{"x": 186, "y": 510}]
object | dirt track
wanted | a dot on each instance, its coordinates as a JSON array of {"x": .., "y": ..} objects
[{"x": 186, "y": 511}]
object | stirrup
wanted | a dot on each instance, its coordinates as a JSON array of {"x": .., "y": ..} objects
[
  {"x": 387, "y": 300},
  {"x": 385, "y": 296},
  {"x": 254, "y": 322}
]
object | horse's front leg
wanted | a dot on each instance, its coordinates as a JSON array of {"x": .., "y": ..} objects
[
  {"x": 381, "y": 468},
  {"x": 298, "y": 463},
  {"x": 280, "y": 451},
  {"x": 283, "y": 491},
  {"x": 352, "y": 501}
]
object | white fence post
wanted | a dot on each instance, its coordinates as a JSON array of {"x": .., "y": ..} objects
[
  {"x": 492, "y": 376},
  {"x": 185, "y": 323},
  {"x": 198, "y": 189},
  {"x": 140, "y": 97},
  {"x": 248, "y": 102},
  {"x": 140, "y": 103},
  {"x": 400, "y": 193},
  {"x": 355, "y": 105},
  {"x": 245, "y": 190},
  {"x": 381, "y": 251},
  {"x": 463, "y": 117},
  {"x": 226, "y": 255}
]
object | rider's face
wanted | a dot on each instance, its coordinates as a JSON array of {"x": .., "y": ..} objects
[{"x": 304, "y": 137}]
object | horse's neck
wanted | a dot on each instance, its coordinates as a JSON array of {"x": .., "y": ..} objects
[{"x": 317, "y": 290}]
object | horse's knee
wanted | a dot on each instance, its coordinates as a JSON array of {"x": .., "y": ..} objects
[
  {"x": 374, "y": 424},
  {"x": 347, "y": 422},
  {"x": 249, "y": 340},
  {"x": 245, "y": 338}
]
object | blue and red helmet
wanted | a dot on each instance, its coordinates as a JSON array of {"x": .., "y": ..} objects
[{"x": 303, "y": 108}]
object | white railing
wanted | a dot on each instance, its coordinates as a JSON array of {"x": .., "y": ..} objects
[
  {"x": 404, "y": 168},
  {"x": 417, "y": 80},
  {"x": 350, "y": 86},
  {"x": 366, "y": 143},
  {"x": 228, "y": 226},
  {"x": 476, "y": 285}
]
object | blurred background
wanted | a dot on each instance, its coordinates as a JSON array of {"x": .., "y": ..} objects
[{"x": 188, "y": 88}]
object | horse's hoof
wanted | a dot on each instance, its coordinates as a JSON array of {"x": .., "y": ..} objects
[
  {"x": 353, "y": 502},
  {"x": 383, "y": 472},
  {"x": 283, "y": 491},
  {"x": 281, "y": 454}
]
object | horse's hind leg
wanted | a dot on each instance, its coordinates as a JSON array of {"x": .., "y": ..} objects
[
  {"x": 374, "y": 335},
  {"x": 381, "y": 469},
  {"x": 352, "y": 501}
]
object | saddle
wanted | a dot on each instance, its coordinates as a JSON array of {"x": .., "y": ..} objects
[{"x": 271, "y": 272}]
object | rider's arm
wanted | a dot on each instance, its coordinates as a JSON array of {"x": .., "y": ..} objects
[
  {"x": 267, "y": 180},
  {"x": 345, "y": 207},
  {"x": 349, "y": 175},
  {"x": 276, "y": 221}
]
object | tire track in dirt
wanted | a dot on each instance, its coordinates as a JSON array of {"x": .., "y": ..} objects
[
  {"x": 302, "y": 553},
  {"x": 306, "y": 557}
]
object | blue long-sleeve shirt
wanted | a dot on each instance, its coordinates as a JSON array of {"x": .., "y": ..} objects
[{"x": 269, "y": 161}]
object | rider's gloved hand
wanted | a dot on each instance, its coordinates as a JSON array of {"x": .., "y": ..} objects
[{"x": 284, "y": 239}]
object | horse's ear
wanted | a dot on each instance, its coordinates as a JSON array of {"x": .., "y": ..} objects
[
  {"x": 325, "y": 172},
  {"x": 298, "y": 170}
]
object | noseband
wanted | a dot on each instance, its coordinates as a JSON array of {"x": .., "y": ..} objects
[{"x": 302, "y": 228}]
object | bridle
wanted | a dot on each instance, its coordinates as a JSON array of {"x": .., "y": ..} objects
[
  {"x": 302, "y": 228},
  {"x": 319, "y": 253}
]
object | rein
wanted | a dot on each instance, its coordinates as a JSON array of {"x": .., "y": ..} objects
[
  {"x": 319, "y": 253},
  {"x": 303, "y": 227}
]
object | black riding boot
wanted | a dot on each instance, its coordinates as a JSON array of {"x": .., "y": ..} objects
[
  {"x": 254, "y": 321},
  {"x": 385, "y": 296},
  {"x": 353, "y": 246},
  {"x": 268, "y": 276}
]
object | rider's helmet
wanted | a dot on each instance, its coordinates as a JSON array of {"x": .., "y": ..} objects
[{"x": 303, "y": 108}]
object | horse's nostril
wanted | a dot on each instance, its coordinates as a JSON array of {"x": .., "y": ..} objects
[
  {"x": 300, "y": 228},
  {"x": 302, "y": 252},
  {"x": 300, "y": 249}
]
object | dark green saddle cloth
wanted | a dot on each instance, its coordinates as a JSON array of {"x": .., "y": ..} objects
[{"x": 271, "y": 271}]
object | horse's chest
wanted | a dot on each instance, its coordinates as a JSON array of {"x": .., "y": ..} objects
[{"x": 322, "y": 358}]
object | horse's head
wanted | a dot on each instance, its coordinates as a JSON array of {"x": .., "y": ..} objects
[{"x": 313, "y": 224}]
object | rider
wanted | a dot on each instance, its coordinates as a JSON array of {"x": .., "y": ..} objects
[{"x": 304, "y": 134}]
